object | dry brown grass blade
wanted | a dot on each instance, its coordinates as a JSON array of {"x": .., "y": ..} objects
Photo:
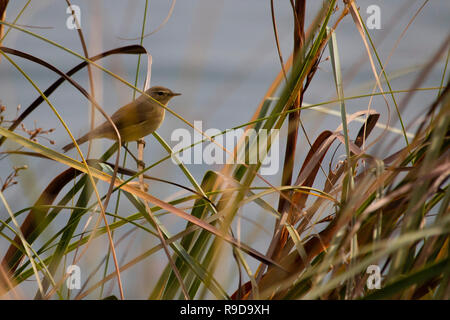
[
  {"x": 292, "y": 261},
  {"x": 62, "y": 74},
  {"x": 90, "y": 76},
  {"x": 30, "y": 225},
  {"x": 3, "y": 5},
  {"x": 206, "y": 226},
  {"x": 133, "y": 49},
  {"x": 333, "y": 177},
  {"x": 129, "y": 172},
  {"x": 142, "y": 195},
  {"x": 24, "y": 153},
  {"x": 7, "y": 285},
  {"x": 277, "y": 42},
  {"x": 107, "y": 117},
  {"x": 294, "y": 117},
  {"x": 433, "y": 107},
  {"x": 295, "y": 264},
  {"x": 298, "y": 198},
  {"x": 295, "y": 98},
  {"x": 166, "y": 19},
  {"x": 308, "y": 174},
  {"x": 152, "y": 218},
  {"x": 50, "y": 193},
  {"x": 284, "y": 201}
]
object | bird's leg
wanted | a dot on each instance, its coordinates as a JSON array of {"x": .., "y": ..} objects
[
  {"x": 141, "y": 166},
  {"x": 142, "y": 141},
  {"x": 141, "y": 146},
  {"x": 138, "y": 162}
]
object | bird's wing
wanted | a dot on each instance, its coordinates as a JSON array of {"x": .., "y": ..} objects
[{"x": 130, "y": 114}]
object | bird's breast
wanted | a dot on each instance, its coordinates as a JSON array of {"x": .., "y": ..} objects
[{"x": 149, "y": 122}]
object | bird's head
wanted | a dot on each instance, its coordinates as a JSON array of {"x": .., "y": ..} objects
[{"x": 161, "y": 94}]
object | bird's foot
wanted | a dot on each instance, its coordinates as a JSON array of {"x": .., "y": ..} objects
[
  {"x": 141, "y": 141},
  {"x": 140, "y": 164}
]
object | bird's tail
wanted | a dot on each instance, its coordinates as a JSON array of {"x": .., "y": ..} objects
[{"x": 71, "y": 145}]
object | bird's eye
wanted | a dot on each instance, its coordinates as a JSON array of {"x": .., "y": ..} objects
[{"x": 160, "y": 93}]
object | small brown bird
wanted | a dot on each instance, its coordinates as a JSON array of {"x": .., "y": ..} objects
[{"x": 135, "y": 120}]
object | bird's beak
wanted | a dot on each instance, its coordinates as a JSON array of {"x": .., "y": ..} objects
[{"x": 175, "y": 94}]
